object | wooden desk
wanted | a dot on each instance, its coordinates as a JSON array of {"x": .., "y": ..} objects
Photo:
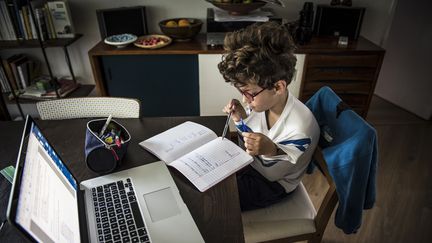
[{"x": 216, "y": 211}]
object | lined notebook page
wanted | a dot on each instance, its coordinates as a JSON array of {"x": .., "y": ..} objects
[
  {"x": 212, "y": 162},
  {"x": 179, "y": 140}
]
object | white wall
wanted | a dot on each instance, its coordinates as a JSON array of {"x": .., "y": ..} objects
[
  {"x": 377, "y": 19},
  {"x": 84, "y": 18},
  {"x": 406, "y": 74},
  {"x": 214, "y": 92}
]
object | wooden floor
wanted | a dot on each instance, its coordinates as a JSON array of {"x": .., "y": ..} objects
[{"x": 403, "y": 210}]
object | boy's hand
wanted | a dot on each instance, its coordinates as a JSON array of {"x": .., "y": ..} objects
[
  {"x": 237, "y": 110},
  {"x": 258, "y": 144}
]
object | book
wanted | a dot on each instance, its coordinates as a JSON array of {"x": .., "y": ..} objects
[
  {"x": 8, "y": 32},
  {"x": 27, "y": 25},
  {"x": 16, "y": 6},
  {"x": 48, "y": 21},
  {"x": 32, "y": 24},
  {"x": 32, "y": 91},
  {"x": 5, "y": 87},
  {"x": 61, "y": 19},
  {"x": 14, "y": 18},
  {"x": 196, "y": 151},
  {"x": 21, "y": 16},
  {"x": 14, "y": 62},
  {"x": 38, "y": 19},
  {"x": 41, "y": 24},
  {"x": 22, "y": 69},
  {"x": 8, "y": 71}
]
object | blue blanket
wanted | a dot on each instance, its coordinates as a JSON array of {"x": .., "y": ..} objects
[{"x": 349, "y": 146}]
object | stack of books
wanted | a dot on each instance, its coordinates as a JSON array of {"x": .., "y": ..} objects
[
  {"x": 22, "y": 75},
  {"x": 35, "y": 92},
  {"x": 17, "y": 72},
  {"x": 52, "y": 19}
]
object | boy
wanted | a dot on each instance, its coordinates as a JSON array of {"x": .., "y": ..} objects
[{"x": 279, "y": 130}]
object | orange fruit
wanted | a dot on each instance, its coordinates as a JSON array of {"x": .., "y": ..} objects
[
  {"x": 183, "y": 22},
  {"x": 171, "y": 23}
]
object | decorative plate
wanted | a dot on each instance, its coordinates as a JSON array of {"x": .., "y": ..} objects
[
  {"x": 152, "y": 41},
  {"x": 120, "y": 40}
]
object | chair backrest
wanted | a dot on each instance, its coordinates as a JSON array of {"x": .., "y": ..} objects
[
  {"x": 330, "y": 200},
  {"x": 349, "y": 145},
  {"x": 86, "y": 107}
]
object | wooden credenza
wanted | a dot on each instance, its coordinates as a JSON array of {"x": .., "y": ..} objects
[{"x": 351, "y": 71}]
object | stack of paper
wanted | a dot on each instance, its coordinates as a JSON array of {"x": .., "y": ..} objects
[{"x": 254, "y": 16}]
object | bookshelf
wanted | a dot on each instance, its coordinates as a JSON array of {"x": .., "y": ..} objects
[
  {"x": 41, "y": 40},
  {"x": 82, "y": 91},
  {"x": 22, "y": 44}
]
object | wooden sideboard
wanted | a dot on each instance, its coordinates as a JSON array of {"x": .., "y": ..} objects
[{"x": 351, "y": 71}]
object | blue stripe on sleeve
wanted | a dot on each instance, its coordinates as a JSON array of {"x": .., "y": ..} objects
[
  {"x": 303, "y": 141},
  {"x": 300, "y": 144},
  {"x": 301, "y": 148}
]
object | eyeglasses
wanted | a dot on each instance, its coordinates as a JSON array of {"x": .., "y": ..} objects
[{"x": 250, "y": 96}]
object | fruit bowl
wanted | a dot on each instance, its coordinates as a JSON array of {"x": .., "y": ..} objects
[
  {"x": 120, "y": 40},
  {"x": 152, "y": 41},
  {"x": 181, "y": 29},
  {"x": 238, "y": 8}
]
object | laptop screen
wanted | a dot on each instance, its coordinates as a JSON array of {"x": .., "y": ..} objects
[{"x": 47, "y": 203}]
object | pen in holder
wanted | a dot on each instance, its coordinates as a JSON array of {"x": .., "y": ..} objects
[{"x": 106, "y": 144}]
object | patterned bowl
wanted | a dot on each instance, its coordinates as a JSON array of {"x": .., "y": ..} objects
[{"x": 120, "y": 40}]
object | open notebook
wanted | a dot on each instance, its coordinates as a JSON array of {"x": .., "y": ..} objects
[{"x": 198, "y": 153}]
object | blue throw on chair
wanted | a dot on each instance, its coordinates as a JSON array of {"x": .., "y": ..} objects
[{"x": 349, "y": 145}]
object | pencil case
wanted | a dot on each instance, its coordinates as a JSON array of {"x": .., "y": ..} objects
[{"x": 104, "y": 154}]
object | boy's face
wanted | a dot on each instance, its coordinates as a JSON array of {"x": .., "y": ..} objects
[{"x": 257, "y": 98}]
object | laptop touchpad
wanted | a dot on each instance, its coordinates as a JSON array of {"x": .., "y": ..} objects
[{"x": 161, "y": 204}]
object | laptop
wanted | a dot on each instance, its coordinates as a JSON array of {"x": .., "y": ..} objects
[{"x": 47, "y": 203}]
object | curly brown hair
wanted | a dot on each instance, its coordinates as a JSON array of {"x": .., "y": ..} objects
[{"x": 260, "y": 54}]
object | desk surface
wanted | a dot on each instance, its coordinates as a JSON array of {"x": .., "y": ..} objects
[{"x": 216, "y": 211}]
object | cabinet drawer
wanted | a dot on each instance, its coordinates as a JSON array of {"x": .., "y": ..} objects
[
  {"x": 340, "y": 73},
  {"x": 353, "y": 100},
  {"x": 334, "y": 60},
  {"x": 348, "y": 87}
]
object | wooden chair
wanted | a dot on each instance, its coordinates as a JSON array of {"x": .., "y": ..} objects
[
  {"x": 89, "y": 107},
  {"x": 295, "y": 218}
]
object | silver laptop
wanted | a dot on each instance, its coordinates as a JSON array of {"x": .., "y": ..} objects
[{"x": 47, "y": 204}]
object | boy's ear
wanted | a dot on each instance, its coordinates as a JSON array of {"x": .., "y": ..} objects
[{"x": 280, "y": 85}]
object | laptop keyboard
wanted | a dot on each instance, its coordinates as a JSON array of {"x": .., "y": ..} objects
[{"x": 118, "y": 218}]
